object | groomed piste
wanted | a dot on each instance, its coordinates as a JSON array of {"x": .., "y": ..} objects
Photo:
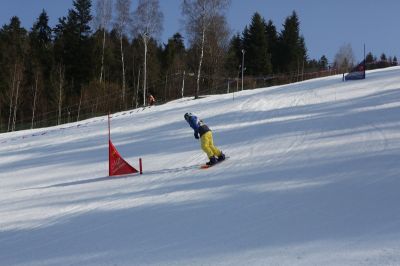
[{"x": 313, "y": 178}]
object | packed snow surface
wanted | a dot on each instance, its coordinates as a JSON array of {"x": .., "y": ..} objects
[{"x": 313, "y": 178}]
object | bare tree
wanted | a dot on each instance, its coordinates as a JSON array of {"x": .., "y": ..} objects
[
  {"x": 147, "y": 24},
  {"x": 15, "y": 93},
  {"x": 121, "y": 22},
  {"x": 35, "y": 96},
  {"x": 137, "y": 90},
  {"x": 80, "y": 104},
  {"x": 18, "y": 86},
  {"x": 1, "y": 114},
  {"x": 215, "y": 52},
  {"x": 344, "y": 58},
  {"x": 11, "y": 96},
  {"x": 102, "y": 21},
  {"x": 198, "y": 17},
  {"x": 19, "y": 78},
  {"x": 60, "y": 95}
]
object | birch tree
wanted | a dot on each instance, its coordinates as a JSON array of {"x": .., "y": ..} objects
[
  {"x": 147, "y": 24},
  {"x": 102, "y": 20},
  {"x": 12, "y": 62},
  {"x": 344, "y": 58},
  {"x": 11, "y": 97},
  {"x": 198, "y": 17},
  {"x": 19, "y": 70},
  {"x": 40, "y": 60},
  {"x": 60, "y": 94},
  {"x": 35, "y": 90},
  {"x": 122, "y": 20}
]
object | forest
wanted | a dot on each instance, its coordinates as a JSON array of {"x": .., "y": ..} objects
[{"x": 105, "y": 56}]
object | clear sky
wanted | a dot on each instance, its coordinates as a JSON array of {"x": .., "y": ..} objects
[{"x": 325, "y": 25}]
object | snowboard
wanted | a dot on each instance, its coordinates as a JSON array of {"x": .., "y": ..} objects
[{"x": 206, "y": 166}]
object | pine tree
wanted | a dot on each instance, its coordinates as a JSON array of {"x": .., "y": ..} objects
[
  {"x": 255, "y": 44},
  {"x": 173, "y": 55},
  {"x": 292, "y": 52},
  {"x": 155, "y": 80},
  {"x": 40, "y": 63},
  {"x": 234, "y": 56},
  {"x": 369, "y": 59},
  {"x": 384, "y": 62},
  {"x": 12, "y": 65},
  {"x": 14, "y": 39},
  {"x": 323, "y": 63},
  {"x": 173, "y": 49},
  {"x": 272, "y": 38},
  {"x": 173, "y": 66},
  {"x": 76, "y": 45},
  {"x": 41, "y": 45}
]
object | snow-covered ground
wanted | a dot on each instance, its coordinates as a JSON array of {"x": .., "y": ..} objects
[{"x": 313, "y": 178}]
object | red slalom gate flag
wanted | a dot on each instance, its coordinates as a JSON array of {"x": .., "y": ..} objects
[{"x": 117, "y": 165}]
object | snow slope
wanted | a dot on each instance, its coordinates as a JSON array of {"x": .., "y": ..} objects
[{"x": 313, "y": 179}]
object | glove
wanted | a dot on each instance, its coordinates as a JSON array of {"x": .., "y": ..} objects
[{"x": 196, "y": 135}]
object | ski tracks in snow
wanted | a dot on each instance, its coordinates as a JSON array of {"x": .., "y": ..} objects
[{"x": 274, "y": 112}]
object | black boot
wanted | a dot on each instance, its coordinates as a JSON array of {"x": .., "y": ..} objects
[
  {"x": 221, "y": 157},
  {"x": 213, "y": 160}
]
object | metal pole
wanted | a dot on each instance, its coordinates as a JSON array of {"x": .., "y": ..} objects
[
  {"x": 109, "y": 128},
  {"x": 243, "y": 51},
  {"x": 183, "y": 82},
  {"x": 365, "y": 65},
  {"x": 109, "y": 144}
]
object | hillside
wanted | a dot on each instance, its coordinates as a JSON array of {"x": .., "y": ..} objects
[{"x": 312, "y": 179}]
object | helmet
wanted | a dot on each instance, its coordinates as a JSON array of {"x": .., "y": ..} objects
[{"x": 187, "y": 115}]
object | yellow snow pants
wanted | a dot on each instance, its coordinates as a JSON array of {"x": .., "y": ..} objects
[{"x": 207, "y": 145}]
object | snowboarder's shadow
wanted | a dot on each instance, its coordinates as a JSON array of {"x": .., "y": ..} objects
[{"x": 173, "y": 170}]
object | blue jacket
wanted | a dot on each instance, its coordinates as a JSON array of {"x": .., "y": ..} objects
[{"x": 198, "y": 126}]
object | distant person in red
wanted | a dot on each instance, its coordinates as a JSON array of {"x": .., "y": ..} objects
[{"x": 152, "y": 100}]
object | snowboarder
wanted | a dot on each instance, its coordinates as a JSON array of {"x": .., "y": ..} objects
[{"x": 203, "y": 132}]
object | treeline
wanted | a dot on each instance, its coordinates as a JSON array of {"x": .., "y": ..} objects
[
  {"x": 372, "y": 62},
  {"x": 111, "y": 59},
  {"x": 345, "y": 60}
]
